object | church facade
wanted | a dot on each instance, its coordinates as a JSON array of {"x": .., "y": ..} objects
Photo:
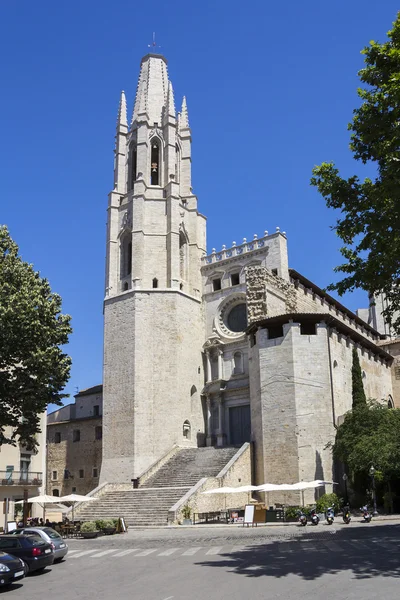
[{"x": 213, "y": 349}]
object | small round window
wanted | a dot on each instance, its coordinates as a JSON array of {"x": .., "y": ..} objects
[{"x": 237, "y": 318}]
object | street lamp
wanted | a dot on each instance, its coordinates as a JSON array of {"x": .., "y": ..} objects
[
  {"x": 346, "y": 498},
  {"x": 372, "y": 473}
]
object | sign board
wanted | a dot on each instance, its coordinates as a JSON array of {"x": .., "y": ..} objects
[
  {"x": 249, "y": 514},
  {"x": 11, "y": 525}
]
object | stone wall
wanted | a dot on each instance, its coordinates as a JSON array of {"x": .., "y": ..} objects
[
  {"x": 73, "y": 456},
  {"x": 152, "y": 360}
]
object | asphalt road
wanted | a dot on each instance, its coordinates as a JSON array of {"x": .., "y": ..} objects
[{"x": 339, "y": 562}]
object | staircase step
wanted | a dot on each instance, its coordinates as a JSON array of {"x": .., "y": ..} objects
[{"x": 149, "y": 504}]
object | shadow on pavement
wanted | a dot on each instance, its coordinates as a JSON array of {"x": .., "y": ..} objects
[{"x": 312, "y": 555}]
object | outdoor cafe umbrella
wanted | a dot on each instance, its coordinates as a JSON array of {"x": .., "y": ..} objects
[
  {"x": 74, "y": 499},
  {"x": 41, "y": 500}
]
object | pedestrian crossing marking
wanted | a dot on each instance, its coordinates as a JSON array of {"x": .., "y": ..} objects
[
  {"x": 146, "y": 552},
  {"x": 191, "y": 551},
  {"x": 214, "y": 550},
  {"x": 103, "y": 553},
  {"x": 168, "y": 552},
  {"x": 84, "y": 553},
  {"x": 333, "y": 546},
  {"x": 126, "y": 552}
]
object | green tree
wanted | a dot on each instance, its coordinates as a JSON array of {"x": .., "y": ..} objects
[
  {"x": 370, "y": 222},
  {"x": 370, "y": 435},
  {"x": 357, "y": 390},
  {"x": 33, "y": 367}
]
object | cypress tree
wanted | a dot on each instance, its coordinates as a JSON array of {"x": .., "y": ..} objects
[{"x": 358, "y": 394}]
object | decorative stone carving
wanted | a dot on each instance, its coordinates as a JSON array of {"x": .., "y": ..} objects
[
  {"x": 126, "y": 222},
  {"x": 156, "y": 132},
  {"x": 258, "y": 279}
]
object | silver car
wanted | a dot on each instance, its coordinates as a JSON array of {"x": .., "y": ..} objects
[{"x": 50, "y": 536}]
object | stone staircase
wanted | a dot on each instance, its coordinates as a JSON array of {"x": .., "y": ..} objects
[{"x": 150, "y": 503}]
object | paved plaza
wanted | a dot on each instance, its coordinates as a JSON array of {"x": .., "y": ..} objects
[{"x": 218, "y": 563}]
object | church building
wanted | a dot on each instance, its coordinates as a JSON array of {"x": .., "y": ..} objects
[{"x": 214, "y": 349}]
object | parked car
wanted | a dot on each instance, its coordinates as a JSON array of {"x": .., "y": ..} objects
[
  {"x": 11, "y": 569},
  {"x": 35, "y": 552},
  {"x": 50, "y": 536}
]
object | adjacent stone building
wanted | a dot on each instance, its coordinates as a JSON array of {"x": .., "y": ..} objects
[
  {"x": 74, "y": 444},
  {"x": 214, "y": 349}
]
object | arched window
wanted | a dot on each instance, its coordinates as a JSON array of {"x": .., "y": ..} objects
[
  {"x": 56, "y": 493},
  {"x": 132, "y": 164},
  {"x": 238, "y": 363},
  {"x": 183, "y": 256},
  {"x": 390, "y": 402},
  {"x": 194, "y": 399},
  {"x": 125, "y": 286},
  {"x": 155, "y": 162},
  {"x": 186, "y": 430},
  {"x": 155, "y": 282}
]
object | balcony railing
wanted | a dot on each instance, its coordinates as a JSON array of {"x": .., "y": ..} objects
[{"x": 20, "y": 478}]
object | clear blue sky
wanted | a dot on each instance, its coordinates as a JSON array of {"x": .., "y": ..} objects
[{"x": 270, "y": 87}]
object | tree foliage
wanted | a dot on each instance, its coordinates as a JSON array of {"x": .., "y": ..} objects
[
  {"x": 357, "y": 390},
  {"x": 370, "y": 223},
  {"x": 33, "y": 367},
  {"x": 370, "y": 435}
]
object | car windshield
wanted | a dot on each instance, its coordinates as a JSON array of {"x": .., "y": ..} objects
[{"x": 52, "y": 533}]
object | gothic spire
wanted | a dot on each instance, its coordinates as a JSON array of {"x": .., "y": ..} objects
[
  {"x": 122, "y": 116},
  {"x": 170, "y": 105},
  {"x": 184, "y": 120},
  {"x": 152, "y": 90}
]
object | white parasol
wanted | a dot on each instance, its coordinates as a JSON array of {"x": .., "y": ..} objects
[{"x": 74, "y": 499}]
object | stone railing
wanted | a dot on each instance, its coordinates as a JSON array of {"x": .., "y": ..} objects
[{"x": 238, "y": 250}]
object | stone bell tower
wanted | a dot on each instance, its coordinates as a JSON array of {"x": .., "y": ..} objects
[{"x": 153, "y": 324}]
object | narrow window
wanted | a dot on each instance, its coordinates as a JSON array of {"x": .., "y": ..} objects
[
  {"x": 73, "y": 490},
  {"x": 183, "y": 256},
  {"x": 235, "y": 279},
  {"x": 129, "y": 259},
  {"x": 67, "y": 474},
  {"x": 390, "y": 402},
  {"x": 155, "y": 282},
  {"x": 57, "y": 437},
  {"x": 96, "y": 410},
  {"x": 133, "y": 166},
  {"x": 56, "y": 493},
  {"x": 98, "y": 432},
  {"x": 95, "y": 472},
  {"x": 274, "y": 271},
  {"x": 81, "y": 473},
  {"x": 155, "y": 163},
  {"x": 126, "y": 286},
  {"x": 216, "y": 284},
  {"x": 54, "y": 475},
  {"x": 76, "y": 435},
  {"x": 186, "y": 430},
  {"x": 177, "y": 157}
]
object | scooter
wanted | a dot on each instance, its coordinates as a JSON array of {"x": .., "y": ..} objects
[
  {"x": 366, "y": 515},
  {"x": 346, "y": 514},
  {"x": 314, "y": 517},
  {"x": 302, "y": 518},
  {"x": 330, "y": 515}
]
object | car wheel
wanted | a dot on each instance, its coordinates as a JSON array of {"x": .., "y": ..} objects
[
  {"x": 58, "y": 560},
  {"x": 27, "y": 569}
]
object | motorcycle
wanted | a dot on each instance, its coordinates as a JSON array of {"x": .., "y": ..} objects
[
  {"x": 330, "y": 515},
  {"x": 302, "y": 518},
  {"x": 366, "y": 515},
  {"x": 314, "y": 517},
  {"x": 346, "y": 514}
]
